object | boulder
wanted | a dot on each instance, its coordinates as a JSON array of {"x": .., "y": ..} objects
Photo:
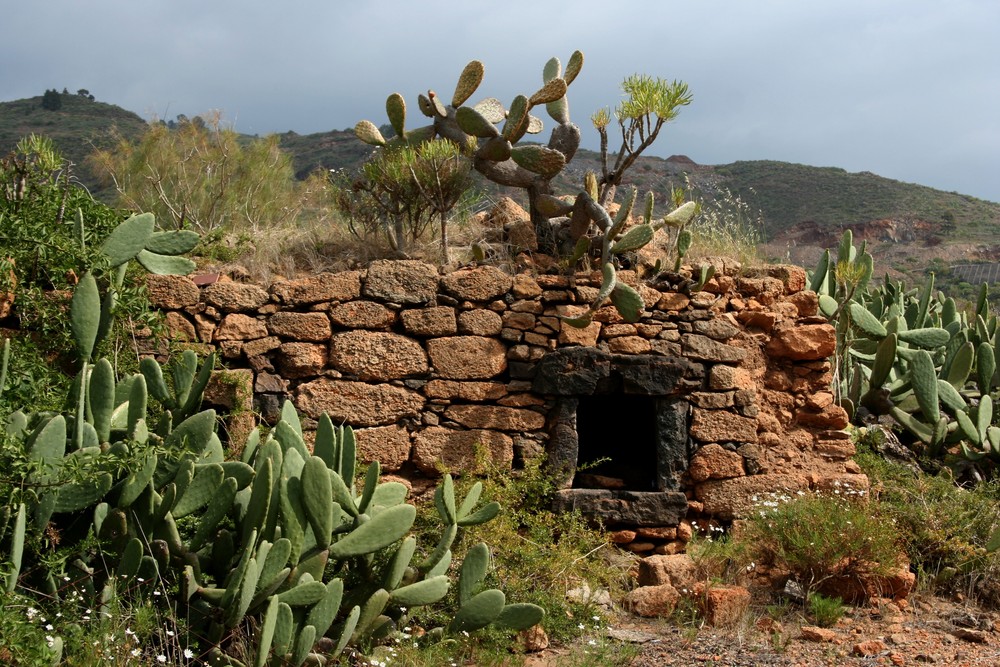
[
  {"x": 405, "y": 281},
  {"x": 376, "y": 355},
  {"x": 319, "y": 288}
]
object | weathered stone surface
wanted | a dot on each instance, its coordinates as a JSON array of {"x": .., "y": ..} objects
[
  {"x": 622, "y": 537},
  {"x": 375, "y": 355},
  {"x": 521, "y": 236},
  {"x": 406, "y": 281},
  {"x": 673, "y": 301},
  {"x": 652, "y": 601},
  {"x": 521, "y": 321},
  {"x": 481, "y": 283},
  {"x": 171, "y": 292},
  {"x": 814, "y": 633},
  {"x": 629, "y": 345},
  {"x": 389, "y": 445},
  {"x": 308, "y": 327},
  {"x": 299, "y": 360},
  {"x": 479, "y": 322},
  {"x": 437, "y": 321},
  {"x": 504, "y": 212},
  {"x": 525, "y": 287},
  {"x": 205, "y": 327},
  {"x": 716, "y": 329},
  {"x": 362, "y": 315},
  {"x": 729, "y": 499},
  {"x": 721, "y": 605},
  {"x": 465, "y": 391},
  {"x": 833, "y": 417},
  {"x": 658, "y": 532},
  {"x": 570, "y": 335},
  {"x": 724, "y": 378},
  {"x": 240, "y": 327},
  {"x": 806, "y": 303},
  {"x": 268, "y": 383},
  {"x": 836, "y": 449},
  {"x": 179, "y": 328},
  {"x": 467, "y": 357},
  {"x": 230, "y": 389},
  {"x": 758, "y": 319},
  {"x": 677, "y": 570},
  {"x": 230, "y": 297},
  {"x": 821, "y": 400},
  {"x": 495, "y": 417},
  {"x": 806, "y": 342},
  {"x": 705, "y": 349},
  {"x": 633, "y": 508},
  {"x": 319, "y": 288},
  {"x": 714, "y": 462},
  {"x": 579, "y": 371},
  {"x": 711, "y": 399},
  {"x": 722, "y": 426},
  {"x": 252, "y": 348},
  {"x": 869, "y": 648},
  {"x": 357, "y": 403},
  {"x": 437, "y": 448},
  {"x": 792, "y": 277}
]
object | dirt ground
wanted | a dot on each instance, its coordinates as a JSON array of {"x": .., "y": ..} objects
[{"x": 925, "y": 630}]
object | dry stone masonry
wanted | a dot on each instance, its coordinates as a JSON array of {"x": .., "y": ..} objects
[{"x": 711, "y": 403}]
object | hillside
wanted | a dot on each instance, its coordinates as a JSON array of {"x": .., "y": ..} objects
[
  {"x": 76, "y": 128},
  {"x": 804, "y": 208}
]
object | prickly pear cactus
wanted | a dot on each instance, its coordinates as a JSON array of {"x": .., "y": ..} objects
[
  {"x": 494, "y": 131},
  {"x": 913, "y": 355}
]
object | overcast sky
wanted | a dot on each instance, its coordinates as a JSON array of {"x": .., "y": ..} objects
[{"x": 908, "y": 89}]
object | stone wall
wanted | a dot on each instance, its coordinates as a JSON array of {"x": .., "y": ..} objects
[{"x": 427, "y": 368}]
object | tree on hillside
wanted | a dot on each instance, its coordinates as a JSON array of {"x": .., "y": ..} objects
[
  {"x": 202, "y": 176},
  {"x": 52, "y": 100}
]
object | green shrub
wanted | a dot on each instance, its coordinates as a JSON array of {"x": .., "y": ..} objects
[
  {"x": 825, "y": 611},
  {"x": 202, "y": 176},
  {"x": 817, "y": 538},
  {"x": 51, "y": 231},
  {"x": 944, "y": 528}
]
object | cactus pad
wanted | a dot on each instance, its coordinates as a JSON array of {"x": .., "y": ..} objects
[
  {"x": 472, "y": 122},
  {"x": 550, "y": 92},
  {"x": 468, "y": 82},
  {"x": 539, "y": 159},
  {"x": 366, "y": 131},
  {"x": 573, "y": 67},
  {"x": 491, "y": 109},
  {"x": 628, "y": 302}
]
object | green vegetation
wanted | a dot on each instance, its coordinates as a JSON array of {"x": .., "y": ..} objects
[
  {"x": 944, "y": 528},
  {"x": 913, "y": 355},
  {"x": 400, "y": 190},
  {"x": 201, "y": 176},
  {"x": 51, "y": 232},
  {"x": 818, "y": 538}
]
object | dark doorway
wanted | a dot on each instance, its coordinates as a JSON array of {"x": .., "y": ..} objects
[{"x": 620, "y": 428}]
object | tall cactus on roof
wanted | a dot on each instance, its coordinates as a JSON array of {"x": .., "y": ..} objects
[{"x": 490, "y": 131}]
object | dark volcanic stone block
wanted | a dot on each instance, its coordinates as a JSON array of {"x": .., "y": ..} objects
[{"x": 634, "y": 508}]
